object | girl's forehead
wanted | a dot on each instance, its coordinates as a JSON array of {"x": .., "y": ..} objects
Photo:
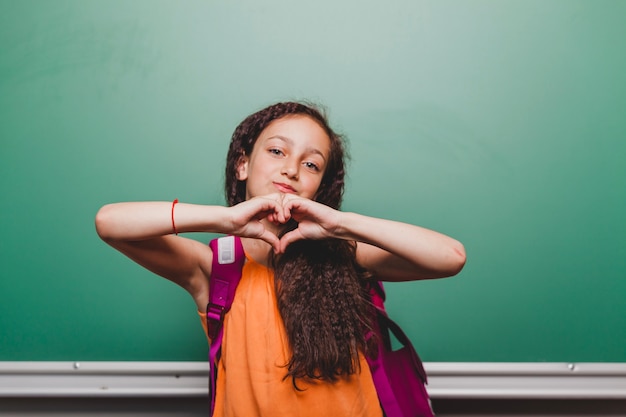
[{"x": 298, "y": 130}]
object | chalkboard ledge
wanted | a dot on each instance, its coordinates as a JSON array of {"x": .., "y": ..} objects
[{"x": 447, "y": 380}]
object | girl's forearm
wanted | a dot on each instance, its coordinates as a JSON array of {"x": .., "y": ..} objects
[
  {"x": 144, "y": 220},
  {"x": 432, "y": 253}
]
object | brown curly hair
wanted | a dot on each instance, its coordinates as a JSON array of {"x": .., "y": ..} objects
[{"x": 321, "y": 290}]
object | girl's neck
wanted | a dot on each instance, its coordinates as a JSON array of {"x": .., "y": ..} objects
[{"x": 257, "y": 249}]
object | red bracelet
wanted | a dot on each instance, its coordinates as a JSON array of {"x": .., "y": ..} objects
[{"x": 174, "y": 224}]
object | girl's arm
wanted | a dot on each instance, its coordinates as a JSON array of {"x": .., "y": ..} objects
[
  {"x": 392, "y": 250},
  {"x": 397, "y": 251},
  {"x": 143, "y": 231}
]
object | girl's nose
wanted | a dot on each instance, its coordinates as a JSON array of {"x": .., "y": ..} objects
[{"x": 290, "y": 170}]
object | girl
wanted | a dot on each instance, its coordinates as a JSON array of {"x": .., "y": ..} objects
[{"x": 294, "y": 339}]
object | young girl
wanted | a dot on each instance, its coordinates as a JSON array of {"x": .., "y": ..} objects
[{"x": 294, "y": 339}]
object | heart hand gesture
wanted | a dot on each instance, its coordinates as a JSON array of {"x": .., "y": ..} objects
[{"x": 262, "y": 217}]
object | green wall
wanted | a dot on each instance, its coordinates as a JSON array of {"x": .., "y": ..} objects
[{"x": 501, "y": 123}]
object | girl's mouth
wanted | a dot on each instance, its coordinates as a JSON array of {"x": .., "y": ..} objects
[{"x": 284, "y": 188}]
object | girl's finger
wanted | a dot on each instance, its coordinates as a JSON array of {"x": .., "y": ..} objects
[
  {"x": 279, "y": 214},
  {"x": 294, "y": 205},
  {"x": 272, "y": 239}
]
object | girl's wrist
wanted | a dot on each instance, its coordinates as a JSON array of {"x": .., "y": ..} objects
[
  {"x": 343, "y": 228},
  {"x": 200, "y": 218}
]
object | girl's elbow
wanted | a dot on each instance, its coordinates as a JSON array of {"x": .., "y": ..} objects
[
  {"x": 104, "y": 223},
  {"x": 458, "y": 259}
]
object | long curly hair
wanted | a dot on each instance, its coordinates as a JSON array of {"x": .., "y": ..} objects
[{"x": 321, "y": 290}]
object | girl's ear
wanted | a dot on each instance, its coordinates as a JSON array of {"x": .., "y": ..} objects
[{"x": 242, "y": 168}]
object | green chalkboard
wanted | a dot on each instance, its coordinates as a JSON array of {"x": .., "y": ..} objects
[{"x": 502, "y": 124}]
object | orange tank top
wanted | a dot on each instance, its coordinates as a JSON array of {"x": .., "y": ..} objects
[{"x": 254, "y": 351}]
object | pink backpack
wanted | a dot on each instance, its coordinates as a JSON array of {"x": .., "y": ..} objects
[{"x": 399, "y": 375}]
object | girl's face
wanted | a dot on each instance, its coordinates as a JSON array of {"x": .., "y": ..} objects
[{"x": 289, "y": 156}]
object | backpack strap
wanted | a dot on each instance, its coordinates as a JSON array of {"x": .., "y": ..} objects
[
  {"x": 228, "y": 260},
  {"x": 386, "y": 325},
  {"x": 399, "y": 376}
]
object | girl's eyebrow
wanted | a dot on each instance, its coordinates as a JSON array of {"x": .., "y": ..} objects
[{"x": 289, "y": 141}]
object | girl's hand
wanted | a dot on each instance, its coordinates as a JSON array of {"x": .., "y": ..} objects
[
  {"x": 315, "y": 220},
  {"x": 247, "y": 218},
  {"x": 262, "y": 217}
]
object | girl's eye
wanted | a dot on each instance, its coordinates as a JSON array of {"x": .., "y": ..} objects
[
  {"x": 275, "y": 151},
  {"x": 312, "y": 166}
]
